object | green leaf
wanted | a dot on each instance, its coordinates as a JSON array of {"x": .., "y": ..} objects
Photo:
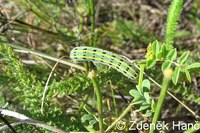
[
  {"x": 92, "y": 122},
  {"x": 148, "y": 113},
  {"x": 147, "y": 97},
  {"x": 143, "y": 107},
  {"x": 155, "y": 48},
  {"x": 139, "y": 90},
  {"x": 159, "y": 55},
  {"x": 87, "y": 109},
  {"x": 164, "y": 50},
  {"x": 172, "y": 55},
  {"x": 175, "y": 75},
  {"x": 146, "y": 84},
  {"x": 150, "y": 63},
  {"x": 137, "y": 100},
  {"x": 87, "y": 117},
  {"x": 194, "y": 65},
  {"x": 134, "y": 93},
  {"x": 188, "y": 75},
  {"x": 183, "y": 57},
  {"x": 166, "y": 65}
]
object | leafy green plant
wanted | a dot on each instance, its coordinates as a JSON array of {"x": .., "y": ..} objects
[
  {"x": 142, "y": 98},
  {"x": 28, "y": 90},
  {"x": 79, "y": 98}
]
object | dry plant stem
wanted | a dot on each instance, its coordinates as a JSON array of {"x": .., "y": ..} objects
[
  {"x": 120, "y": 117},
  {"x": 99, "y": 102},
  {"x": 114, "y": 101},
  {"x": 25, "y": 50},
  {"x": 25, "y": 119},
  {"x": 46, "y": 85}
]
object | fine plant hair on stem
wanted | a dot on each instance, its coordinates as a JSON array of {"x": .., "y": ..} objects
[{"x": 173, "y": 16}]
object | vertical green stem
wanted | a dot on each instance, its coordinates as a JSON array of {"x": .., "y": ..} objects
[
  {"x": 142, "y": 66},
  {"x": 81, "y": 24},
  {"x": 92, "y": 13},
  {"x": 163, "y": 92},
  {"x": 99, "y": 102}
]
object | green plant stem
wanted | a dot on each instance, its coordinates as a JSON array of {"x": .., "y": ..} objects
[
  {"x": 81, "y": 24},
  {"x": 142, "y": 66},
  {"x": 160, "y": 103},
  {"x": 92, "y": 13},
  {"x": 185, "y": 106},
  {"x": 99, "y": 102}
]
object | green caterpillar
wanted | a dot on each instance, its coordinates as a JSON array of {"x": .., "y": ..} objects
[{"x": 97, "y": 55}]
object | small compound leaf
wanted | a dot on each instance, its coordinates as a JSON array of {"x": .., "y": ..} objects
[
  {"x": 87, "y": 109},
  {"x": 137, "y": 100},
  {"x": 188, "y": 75},
  {"x": 172, "y": 55},
  {"x": 164, "y": 50},
  {"x": 144, "y": 106},
  {"x": 183, "y": 57},
  {"x": 175, "y": 75},
  {"x": 166, "y": 65},
  {"x": 134, "y": 93},
  {"x": 159, "y": 55},
  {"x": 146, "y": 84},
  {"x": 92, "y": 122},
  {"x": 148, "y": 113},
  {"x": 155, "y": 48},
  {"x": 139, "y": 90},
  {"x": 169, "y": 47},
  {"x": 86, "y": 117},
  {"x": 150, "y": 63},
  {"x": 149, "y": 54},
  {"x": 194, "y": 65},
  {"x": 147, "y": 97}
]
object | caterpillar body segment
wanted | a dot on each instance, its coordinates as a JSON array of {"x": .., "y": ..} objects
[{"x": 97, "y": 55}]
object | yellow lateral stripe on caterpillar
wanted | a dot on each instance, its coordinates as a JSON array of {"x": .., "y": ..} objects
[
  {"x": 108, "y": 57},
  {"x": 98, "y": 55},
  {"x": 104, "y": 61}
]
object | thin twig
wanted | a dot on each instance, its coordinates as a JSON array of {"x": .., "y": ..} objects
[
  {"x": 26, "y": 50},
  {"x": 25, "y": 119},
  {"x": 46, "y": 85}
]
